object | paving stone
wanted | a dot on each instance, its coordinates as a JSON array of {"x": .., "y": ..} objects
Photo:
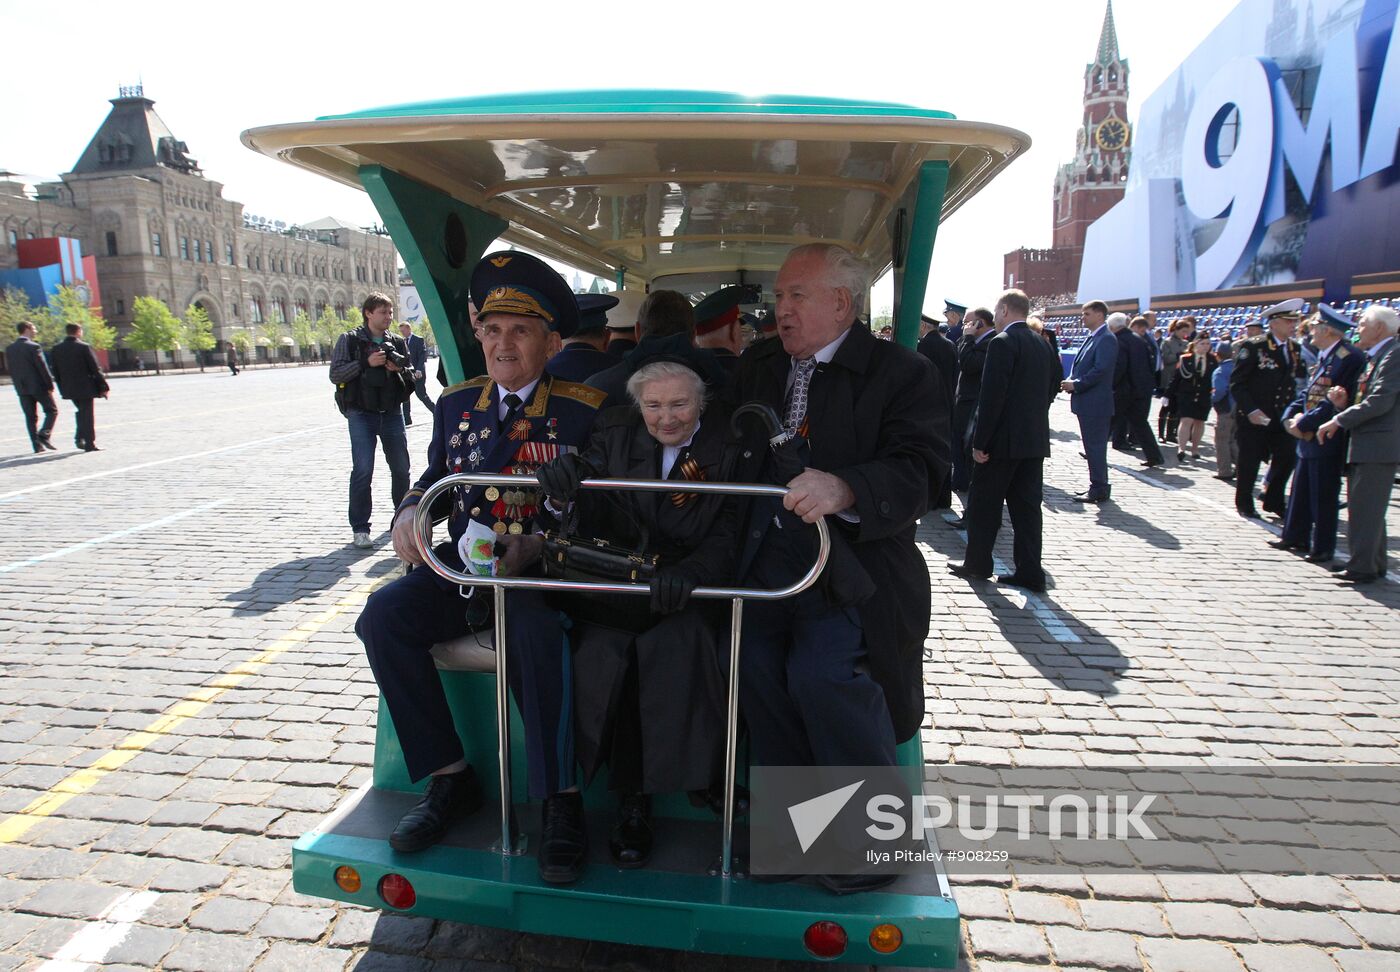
[
  {"x": 186, "y": 844},
  {"x": 257, "y": 852},
  {"x": 1095, "y": 949},
  {"x": 1286, "y": 958},
  {"x": 1356, "y": 960},
  {"x": 290, "y": 957},
  {"x": 1044, "y": 909},
  {"x": 475, "y": 942},
  {"x": 1004, "y": 939},
  {"x": 400, "y": 933},
  {"x": 1207, "y": 919},
  {"x": 1375, "y": 895},
  {"x": 206, "y": 952},
  {"x": 1378, "y": 931},
  {"x": 1292, "y": 926},
  {"x": 184, "y": 876},
  {"x": 143, "y": 946},
  {"x": 976, "y": 902},
  {"x": 183, "y": 813},
  {"x": 301, "y": 924},
  {"x": 550, "y": 950},
  {"x": 1131, "y": 916},
  {"x": 1174, "y": 955},
  {"x": 1135, "y": 887},
  {"x": 1226, "y": 888},
  {"x": 244, "y": 820},
  {"x": 354, "y": 928},
  {"x": 224, "y": 914},
  {"x": 1299, "y": 891},
  {"x": 71, "y": 899}
]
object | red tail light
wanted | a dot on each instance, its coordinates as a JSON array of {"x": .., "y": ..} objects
[
  {"x": 825, "y": 939},
  {"x": 398, "y": 893}
]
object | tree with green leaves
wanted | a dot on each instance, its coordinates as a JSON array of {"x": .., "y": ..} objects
[
  {"x": 153, "y": 328},
  {"x": 70, "y": 306},
  {"x": 303, "y": 332},
  {"x": 424, "y": 329},
  {"x": 15, "y": 307},
  {"x": 197, "y": 332},
  {"x": 270, "y": 333},
  {"x": 353, "y": 319},
  {"x": 328, "y": 327},
  {"x": 242, "y": 342}
]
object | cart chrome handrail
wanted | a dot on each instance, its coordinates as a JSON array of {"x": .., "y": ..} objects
[{"x": 423, "y": 534}]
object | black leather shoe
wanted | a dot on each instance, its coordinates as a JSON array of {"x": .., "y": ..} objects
[
  {"x": 713, "y": 797},
  {"x": 630, "y": 843},
  {"x": 1275, "y": 511},
  {"x": 958, "y": 524},
  {"x": 47, "y": 443},
  {"x": 92, "y": 448},
  {"x": 1014, "y": 581},
  {"x": 1153, "y": 463},
  {"x": 448, "y": 799},
  {"x": 1319, "y": 558},
  {"x": 1286, "y": 545},
  {"x": 1089, "y": 498},
  {"x": 1352, "y": 577},
  {"x": 564, "y": 844},
  {"x": 963, "y": 571},
  {"x": 1337, "y": 568},
  {"x": 1249, "y": 514}
]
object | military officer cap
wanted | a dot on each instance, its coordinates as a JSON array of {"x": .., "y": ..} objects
[
  {"x": 511, "y": 282},
  {"x": 623, "y": 317},
  {"x": 718, "y": 310},
  {"x": 1292, "y": 307},
  {"x": 750, "y": 319},
  {"x": 593, "y": 312},
  {"x": 948, "y": 305},
  {"x": 768, "y": 323},
  {"x": 1333, "y": 318}
]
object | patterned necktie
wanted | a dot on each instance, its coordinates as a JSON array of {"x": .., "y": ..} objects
[{"x": 797, "y": 396}]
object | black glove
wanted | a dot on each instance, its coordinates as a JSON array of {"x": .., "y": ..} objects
[
  {"x": 560, "y": 477},
  {"x": 670, "y": 590}
]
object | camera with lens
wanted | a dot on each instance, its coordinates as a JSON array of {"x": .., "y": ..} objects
[{"x": 392, "y": 354}]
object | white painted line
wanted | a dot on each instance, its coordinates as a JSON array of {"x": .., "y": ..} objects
[
  {"x": 1042, "y": 611},
  {"x": 94, "y": 941},
  {"x": 74, "y": 548},
  {"x": 6, "y": 497}
]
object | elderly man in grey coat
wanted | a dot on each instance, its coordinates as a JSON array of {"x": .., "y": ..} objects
[{"x": 1374, "y": 451}]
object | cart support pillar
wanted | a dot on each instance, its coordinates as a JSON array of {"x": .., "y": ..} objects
[
  {"x": 731, "y": 740},
  {"x": 913, "y": 246}
]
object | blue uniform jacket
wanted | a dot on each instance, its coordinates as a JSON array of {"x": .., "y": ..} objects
[
  {"x": 1092, "y": 374},
  {"x": 1341, "y": 367},
  {"x": 468, "y": 437}
]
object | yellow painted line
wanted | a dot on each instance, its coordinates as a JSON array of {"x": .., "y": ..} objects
[{"x": 80, "y": 781}]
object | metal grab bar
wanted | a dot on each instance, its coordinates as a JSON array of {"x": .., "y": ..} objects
[{"x": 423, "y": 533}]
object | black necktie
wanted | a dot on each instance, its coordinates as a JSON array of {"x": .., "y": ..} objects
[{"x": 513, "y": 403}]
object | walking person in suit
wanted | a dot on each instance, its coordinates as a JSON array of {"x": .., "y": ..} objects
[
  {"x": 418, "y": 359},
  {"x": 80, "y": 380},
  {"x": 1090, "y": 385},
  {"x": 1374, "y": 450},
  {"x": 1010, "y": 443},
  {"x": 833, "y": 676},
  {"x": 33, "y": 384},
  {"x": 977, "y": 330},
  {"x": 1142, "y": 385},
  {"x": 1263, "y": 384},
  {"x": 1313, "y": 501}
]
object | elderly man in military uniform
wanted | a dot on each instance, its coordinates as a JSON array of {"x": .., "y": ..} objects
[
  {"x": 510, "y": 420},
  {"x": 1263, "y": 384},
  {"x": 1311, "y": 524}
]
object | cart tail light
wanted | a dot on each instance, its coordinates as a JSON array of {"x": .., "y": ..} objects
[
  {"x": 825, "y": 939},
  {"x": 397, "y": 892}
]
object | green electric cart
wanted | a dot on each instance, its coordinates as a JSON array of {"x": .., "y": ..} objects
[{"x": 690, "y": 191}]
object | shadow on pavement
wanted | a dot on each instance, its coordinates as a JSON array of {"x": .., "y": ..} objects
[
  {"x": 293, "y": 580},
  {"x": 1063, "y": 649},
  {"x": 35, "y": 458}
]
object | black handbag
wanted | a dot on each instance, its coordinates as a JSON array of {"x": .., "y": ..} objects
[{"x": 569, "y": 556}]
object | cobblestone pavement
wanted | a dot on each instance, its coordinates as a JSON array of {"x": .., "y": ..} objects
[{"x": 183, "y": 695}]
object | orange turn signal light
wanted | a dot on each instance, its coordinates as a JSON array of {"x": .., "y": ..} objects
[
  {"x": 347, "y": 879},
  {"x": 886, "y": 939}
]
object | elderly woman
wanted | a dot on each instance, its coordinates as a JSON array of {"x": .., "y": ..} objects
[{"x": 648, "y": 695}]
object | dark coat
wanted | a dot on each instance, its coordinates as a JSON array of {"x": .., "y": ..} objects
[
  {"x": 1142, "y": 363},
  {"x": 1020, "y": 380},
  {"x": 873, "y": 419},
  {"x": 972, "y": 358},
  {"x": 77, "y": 371},
  {"x": 1263, "y": 379},
  {"x": 28, "y": 367},
  {"x": 577, "y": 361},
  {"x": 680, "y": 692},
  {"x": 1191, "y": 389},
  {"x": 417, "y": 353},
  {"x": 943, "y": 355}
]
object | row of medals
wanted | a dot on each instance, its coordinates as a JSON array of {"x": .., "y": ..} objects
[{"x": 513, "y": 498}]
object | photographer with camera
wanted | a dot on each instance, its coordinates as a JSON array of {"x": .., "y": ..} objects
[{"x": 373, "y": 377}]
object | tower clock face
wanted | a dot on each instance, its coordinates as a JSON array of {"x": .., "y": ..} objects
[{"x": 1112, "y": 134}]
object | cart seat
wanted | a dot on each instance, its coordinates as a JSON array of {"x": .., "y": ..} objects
[{"x": 470, "y": 653}]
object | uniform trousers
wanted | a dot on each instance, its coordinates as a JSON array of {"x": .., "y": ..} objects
[
  {"x": 1311, "y": 520},
  {"x": 85, "y": 432},
  {"x": 1257, "y": 444},
  {"x": 30, "y": 405},
  {"x": 399, "y": 626},
  {"x": 1226, "y": 449},
  {"x": 1368, "y": 498},
  {"x": 805, "y": 688},
  {"x": 962, "y": 450},
  {"x": 1019, "y": 483}
]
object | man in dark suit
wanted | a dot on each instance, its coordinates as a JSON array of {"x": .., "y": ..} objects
[
  {"x": 80, "y": 380},
  {"x": 1310, "y": 526},
  {"x": 1263, "y": 384},
  {"x": 33, "y": 384},
  {"x": 583, "y": 355},
  {"x": 1090, "y": 385},
  {"x": 1010, "y": 443},
  {"x": 1141, "y": 386},
  {"x": 418, "y": 358},
  {"x": 977, "y": 330},
  {"x": 944, "y": 357},
  {"x": 833, "y": 676}
]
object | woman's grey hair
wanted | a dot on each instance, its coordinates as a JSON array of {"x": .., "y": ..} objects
[
  {"x": 844, "y": 270},
  {"x": 661, "y": 370}
]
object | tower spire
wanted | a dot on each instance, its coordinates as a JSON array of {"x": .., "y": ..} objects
[{"x": 1108, "y": 39}]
